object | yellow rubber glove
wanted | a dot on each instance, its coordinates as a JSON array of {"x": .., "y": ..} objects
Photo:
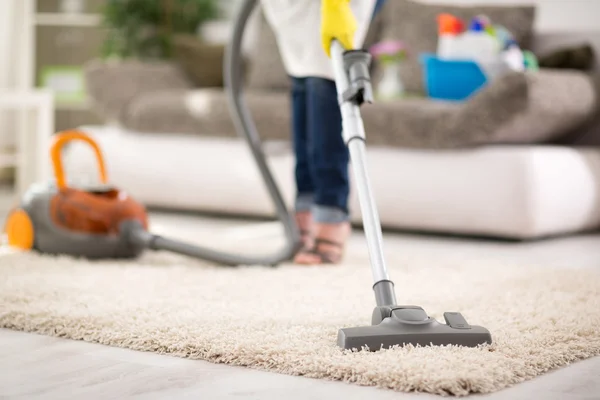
[{"x": 337, "y": 22}]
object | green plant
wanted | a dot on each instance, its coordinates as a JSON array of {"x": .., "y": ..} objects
[{"x": 144, "y": 28}]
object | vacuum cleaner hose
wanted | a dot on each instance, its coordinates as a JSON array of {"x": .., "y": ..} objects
[{"x": 245, "y": 128}]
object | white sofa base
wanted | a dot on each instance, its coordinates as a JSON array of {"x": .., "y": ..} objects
[{"x": 516, "y": 192}]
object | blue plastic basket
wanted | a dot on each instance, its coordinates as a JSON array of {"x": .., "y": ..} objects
[{"x": 451, "y": 80}]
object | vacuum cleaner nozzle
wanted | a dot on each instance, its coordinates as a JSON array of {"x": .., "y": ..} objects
[{"x": 410, "y": 325}]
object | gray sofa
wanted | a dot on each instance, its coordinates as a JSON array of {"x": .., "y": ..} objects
[
  {"x": 542, "y": 107},
  {"x": 511, "y": 162}
]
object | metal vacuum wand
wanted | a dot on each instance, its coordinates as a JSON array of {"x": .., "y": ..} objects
[{"x": 353, "y": 83}]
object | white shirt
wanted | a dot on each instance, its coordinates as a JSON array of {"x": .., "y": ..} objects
[{"x": 297, "y": 26}]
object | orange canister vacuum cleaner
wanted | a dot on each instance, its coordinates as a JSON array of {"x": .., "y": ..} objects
[
  {"x": 60, "y": 219},
  {"x": 97, "y": 222}
]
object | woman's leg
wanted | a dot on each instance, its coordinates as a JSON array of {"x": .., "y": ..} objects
[
  {"x": 301, "y": 141},
  {"x": 329, "y": 165}
]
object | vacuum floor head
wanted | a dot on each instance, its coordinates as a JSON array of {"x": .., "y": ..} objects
[{"x": 410, "y": 325}]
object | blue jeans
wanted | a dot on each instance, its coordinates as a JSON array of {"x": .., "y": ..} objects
[{"x": 322, "y": 157}]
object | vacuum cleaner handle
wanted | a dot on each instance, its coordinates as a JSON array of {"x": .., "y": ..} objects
[{"x": 59, "y": 141}]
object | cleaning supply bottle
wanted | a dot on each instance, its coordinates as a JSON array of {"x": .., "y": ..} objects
[
  {"x": 514, "y": 57},
  {"x": 503, "y": 36},
  {"x": 449, "y": 29},
  {"x": 478, "y": 44}
]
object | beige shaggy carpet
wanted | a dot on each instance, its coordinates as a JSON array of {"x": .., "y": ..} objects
[{"x": 286, "y": 319}]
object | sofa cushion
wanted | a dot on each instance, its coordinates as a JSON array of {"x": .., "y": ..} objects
[
  {"x": 516, "y": 108},
  {"x": 415, "y": 24},
  {"x": 589, "y": 133},
  {"x": 163, "y": 112},
  {"x": 113, "y": 85},
  {"x": 424, "y": 123},
  {"x": 559, "y": 103},
  {"x": 206, "y": 112}
]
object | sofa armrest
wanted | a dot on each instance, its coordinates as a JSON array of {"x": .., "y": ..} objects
[{"x": 545, "y": 43}]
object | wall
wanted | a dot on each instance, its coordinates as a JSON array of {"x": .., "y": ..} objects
[{"x": 553, "y": 15}]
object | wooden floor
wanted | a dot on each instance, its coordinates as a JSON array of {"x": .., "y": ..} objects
[{"x": 39, "y": 367}]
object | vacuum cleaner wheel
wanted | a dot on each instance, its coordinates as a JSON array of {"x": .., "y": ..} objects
[{"x": 19, "y": 230}]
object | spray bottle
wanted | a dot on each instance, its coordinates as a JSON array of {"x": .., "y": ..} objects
[{"x": 449, "y": 29}]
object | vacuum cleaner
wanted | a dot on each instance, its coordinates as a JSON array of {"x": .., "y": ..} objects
[{"x": 104, "y": 222}]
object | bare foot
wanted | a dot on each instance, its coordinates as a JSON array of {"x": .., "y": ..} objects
[
  {"x": 329, "y": 245},
  {"x": 305, "y": 225}
]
